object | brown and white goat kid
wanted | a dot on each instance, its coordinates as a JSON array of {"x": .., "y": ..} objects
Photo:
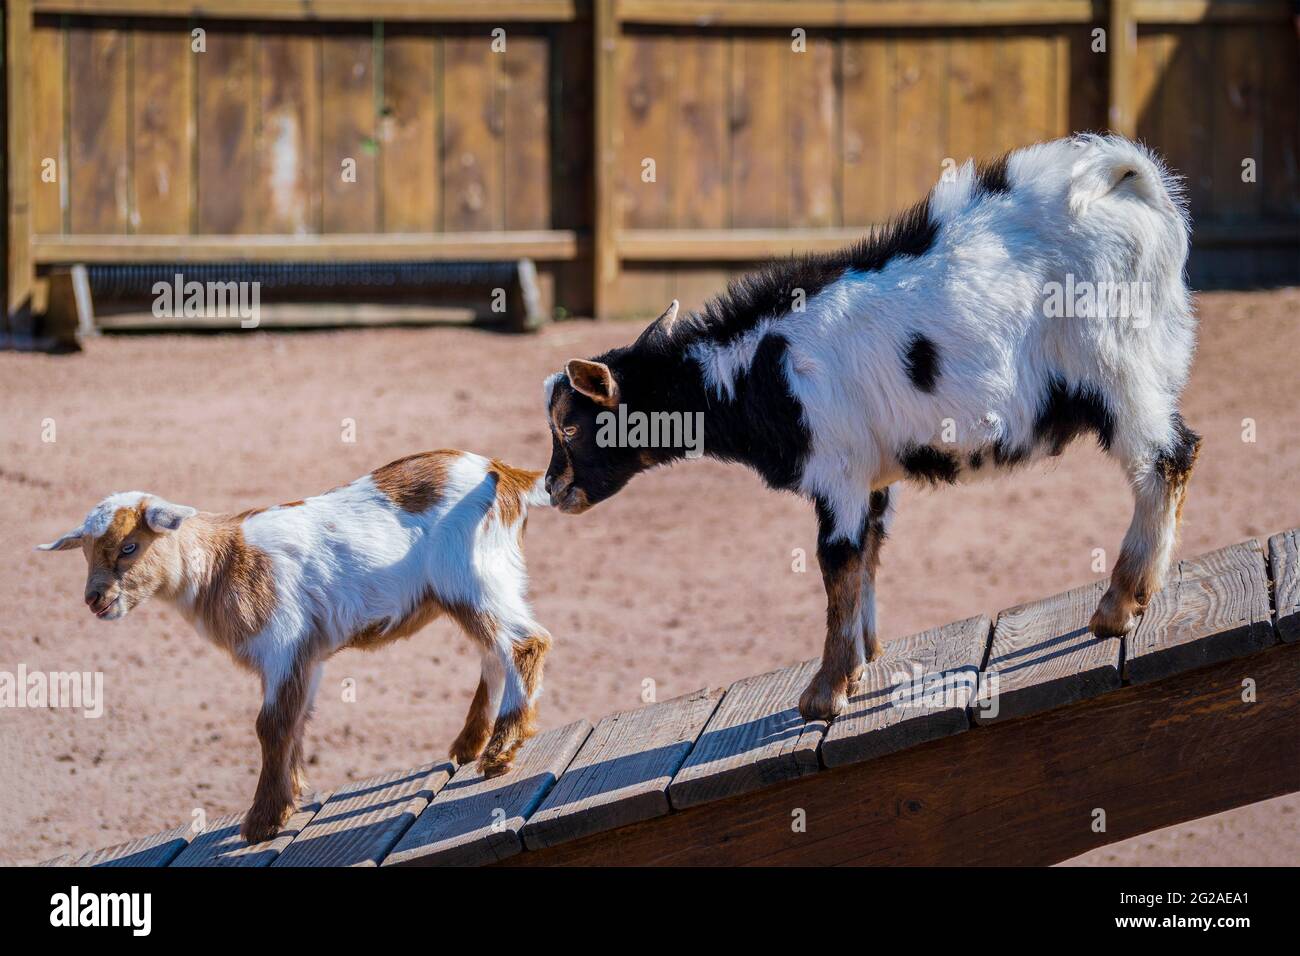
[
  {"x": 985, "y": 327},
  {"x": 283, "y": 588}
]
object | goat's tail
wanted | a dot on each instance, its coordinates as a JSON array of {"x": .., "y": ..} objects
[{"x": 1105, "y": 163}]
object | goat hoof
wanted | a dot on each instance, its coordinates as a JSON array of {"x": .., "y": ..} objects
[
  {"x": 260, "y": 825},
  {"x": 821, "y": 703},
  {"x": 1111, "y": 624},
  {"x": 494, "y": 766}
]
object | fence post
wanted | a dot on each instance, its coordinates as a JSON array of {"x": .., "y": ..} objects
[
  {"x": 18, "y": 89},
  {"x": 1122, "y": 46},
  {"x": 604, "y": 258}
]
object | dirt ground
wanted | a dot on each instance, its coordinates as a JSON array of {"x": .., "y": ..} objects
[{"x": 685, "y": 578}]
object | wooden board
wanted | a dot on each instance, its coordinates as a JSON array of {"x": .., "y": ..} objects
[
  {"x": 1043, "y": 656},
  {"x": 700, "y": 142},
  {"x": 754, "y": 739},
  {"x": 523, "y": 89},
  {"x": 1284, "y": 569},
  {"x": 349, "y": 203},
  {"x": 475, "y": 820},
  {"x": 622, "y": 773},
  {"x": 1212, "y": 608},
  {"x": 361, "y": 822},
  {"x": 471, "y": 135},
  {"x": 221, "y": 845},
  {"x": 920, "y": 147},
  {"x": 920, "y": 690},
  {"x": 410, "y": 174},
  {"x": 157, "y": 850},
  {"x": 811, "y": 109},
  {"x": 759, "y": 167},
  {"x": 867, "y": 75},
  {"x": 98, "y": 175},
  {"x": 971, "y": 132},
  {"x": 1189, "y": 145},
  {"x": 289, "y": 166},
  {"x": 1019, "y": 793},
  {"x": 1237, "y": 110},
  {"x": 48, "y": 72},
  {"x": 163, "y": 130},
  {"x": 227, "y": 134}
]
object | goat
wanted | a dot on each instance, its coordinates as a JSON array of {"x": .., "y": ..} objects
[
  {"x": 281, "y": 589},
  {"x": 974, "y": 333}
]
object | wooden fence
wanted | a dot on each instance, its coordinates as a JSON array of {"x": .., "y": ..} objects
[
  {"x": 982, "y": 742},
  {"x": 638, "y": 149}
]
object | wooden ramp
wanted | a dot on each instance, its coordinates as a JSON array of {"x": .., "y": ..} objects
[{"x": 1021, "y": 740}]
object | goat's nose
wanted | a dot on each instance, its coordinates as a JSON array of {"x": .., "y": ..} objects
[{"x": 93, "y": 598}]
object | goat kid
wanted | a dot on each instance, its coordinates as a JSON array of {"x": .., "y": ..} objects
[
  {"x": 976, "y": 332},
  {"x": 281, "y": 589}
]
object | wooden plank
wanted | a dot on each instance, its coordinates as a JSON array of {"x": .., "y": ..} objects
[
  {"x": 1284, "y": 570},
  {"x": 290, "y": 167},
  {"x": 350, "y": 192},
  {"x": 1212, "y": 608},
  {"x": 221, "y": 845},
  {"x": 1043, "y": 656},
  {"x": 47, "y": 112},
  {"x": 758, "y": 128},
  {"x": 361, "y": 822},
  {"x": 1187, "y": 124},
  {"x": 622, "y": 773},
  {"x": 523, "y": 91},
  {"x": 701, "y": 139},
  {"x": 476, "y": 820},
  {"x": 835, "y": 13},
  {"x": 448, "y": 11},
  {"x": 156, "y": 850},
  {"x": 754, "y": 739},
  {"x": 471, "y": 162},
  {"x": 920, "y": 690},
  {"x": 1238, "y": 121},
  {"x": 868, "y": 120},
  {"x": 227, "y": 134},
  {"x": 812, "y": 107},
  {"x": 1019, "y": 793},
  {"x": 409, "y": 161},
  {"x": 553, "y": 245},
  {"x": 920, "y": 75},
  {"x": 19, "y": 275},
  {"x": 298, "y": 315},
  {"x": 971, "y": 130},
  {"x": 1279, "y": 168},
  {"x": 163, "y": 129},
  {"x": 1121, "y": 39},
  {"x": 98, "y": 173},
  {"x": 647, "y": 122},
  {"x": 1210, "y": 11},
  {"x": 606, "y": 146},
  {"x": 730, "y": 245}
]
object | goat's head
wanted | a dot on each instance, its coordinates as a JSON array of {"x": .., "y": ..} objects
[
  {"x": 585, "y": 469},
  {"x": 129, "y": 548}
]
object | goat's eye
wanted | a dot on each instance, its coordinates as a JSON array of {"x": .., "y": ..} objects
[
  {"x": 568, "y": 431},
  {"x": 128, "y": 549}
]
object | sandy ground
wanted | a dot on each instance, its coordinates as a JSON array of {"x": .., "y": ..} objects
[{"x": 685, "y": 578}]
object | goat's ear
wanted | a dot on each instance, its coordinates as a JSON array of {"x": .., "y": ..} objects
[
  {"x": 662, "y": 325},
  {"x": 70, "y": 540},
  {"x": 162, "y": 515},
  {"x": 593, "y": 379}
]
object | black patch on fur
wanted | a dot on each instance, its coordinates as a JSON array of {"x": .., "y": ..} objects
[
  {"x": 922, "y": 362},
  {"x": 991, "y": 176},
  {"x": 769, "y": 292},
  {"x": 1176, "y": 461},
  {"x": 833, "y": 555},
  {"x": 1005, "y": 456},
  {"x": 927, "y": 463},
  {"x": 1067, "y": 411},
  {"x": 976, "y": 460},
  {"x": 878, "y": 503}
]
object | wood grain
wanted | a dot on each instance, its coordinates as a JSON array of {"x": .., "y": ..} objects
[
  {"x": 920, "y": 690},
  {"x": 289, "y": 166},
  {"x": 98, "y": 173},
  {"x": 163, "y": 126},
  {"x": 622, "y": 773},
  {"x": 811, "y": 108},
  {"x": 476, "y": 820},
  {"x": 1212, "y": 607},
  {"x": 48, "y": 69},
  {"x": 348, "y": 132},
  {"x": 157, "y": 850},
  {"x": 523, "y": 88},
  {"x": 362, "y": 821},
  {"x": 227, "y": 134},
  {"x": 760, "y": 169},
  {"x": 1284, "y": 569},
  {"x": 1043, "y": 656},
  {"x": 221, "y": 845},
  {"x": 754, "y": 739},
  {"x": 868, "y": 130},
  {"x": 409, "y": 119},
  {"x": 1019, "y": 793},
  {"x": 471, "y": 136}
]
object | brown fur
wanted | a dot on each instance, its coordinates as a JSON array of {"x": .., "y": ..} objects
[
  {"x": 235, "y": 599},
  {"x": 512, "y": 485},
  {"x": 826, "y": 694},
  {"x": 473, "y": 736},
  {"x": 415, "y": 483},
  {"x": 379, "y": 633},
  {"x": 280, "y": 726}
]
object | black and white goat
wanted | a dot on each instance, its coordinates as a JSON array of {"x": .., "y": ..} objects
[{"x": 1020, "y": 304}]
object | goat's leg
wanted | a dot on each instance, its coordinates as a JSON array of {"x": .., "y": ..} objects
[
  {"x": 279, "y": 722},
  {"x": 1159, "y": 479},
  {"x": 296, "y": 763},
  {"x": 516, "y": 718},
  {"x": 842, "y": 557},
  {"x": 473, "y": 736},
  {"x": 868, "y": 648}
]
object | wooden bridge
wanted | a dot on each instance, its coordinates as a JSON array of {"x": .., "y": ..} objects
[{"x": 1023, "y": 740}]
